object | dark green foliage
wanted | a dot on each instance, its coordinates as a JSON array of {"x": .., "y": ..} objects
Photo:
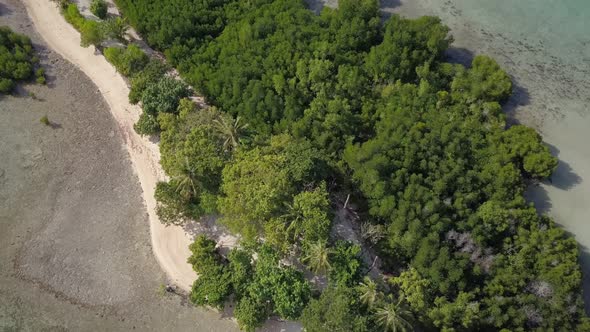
[
  {"x": 345, "y": 264},
  {"x": 451, "y": 193},
  {"x": 17, "y": 60},
  {"x": 407, "y": 45},
  {"x": 146, "y": 125},
  {"x": 259, "y": 187},
  {"x": 116, "y": 28},
  {"x": 240, "y": 270},
  {"x": 150, "y": 74},
  {"x": 484, "y": 81},
  {"x": 193, "y": 157},
  {"x": 525, "y": 148},
  {"x": 6, "y": 85},
  {"x": 99, "y": 8},
  {"x": 128, "y": 61},
  {"x": 164, "y": 96},
  {"x": 213, "y": 286},
  {"x": 338, "y": 310},
  {"x": 308, "y": 104},
  {"x": 168, "y": 24},
  {"x": 275, "y": 289},
  {"x": 261, "y": 287}
]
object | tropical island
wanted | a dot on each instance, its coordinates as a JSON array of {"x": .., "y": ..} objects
[{"x": 314, "y": 123}]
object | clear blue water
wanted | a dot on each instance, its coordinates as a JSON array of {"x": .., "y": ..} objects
[{"x": 561, "y": 26}]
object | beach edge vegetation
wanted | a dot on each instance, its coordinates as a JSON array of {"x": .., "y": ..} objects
[{"x": 308, "y": 108}]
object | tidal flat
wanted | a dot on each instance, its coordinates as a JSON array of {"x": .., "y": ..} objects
[{"x": 75, "y": 251}]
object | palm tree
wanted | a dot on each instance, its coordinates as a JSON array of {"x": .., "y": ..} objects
[
  {"x": 393, "y": 316},
  {"x": 186, "y": 180},
  {"x": 294, "y": 217},
  {"x": 116, "y": 28},
  {"x": 317, "y": 258},
  {"x": 230, "y": 130},
  {"x": 369, "y": 292}
]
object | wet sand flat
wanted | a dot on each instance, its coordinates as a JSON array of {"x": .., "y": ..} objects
[{"x": 75, "y": 250}]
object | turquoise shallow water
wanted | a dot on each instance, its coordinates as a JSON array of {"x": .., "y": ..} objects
[
  {"x": 560, "y": 23},
  {"x": 562, "y": 27},
  {"x": 543, "y": 44}
]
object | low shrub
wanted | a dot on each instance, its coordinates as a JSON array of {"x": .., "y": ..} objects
[{"x": 99, "y": 8}]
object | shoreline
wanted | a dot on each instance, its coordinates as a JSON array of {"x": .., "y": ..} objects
[
  {"x": 169, "y": 243},
  {"x": 548, "y": 98}
]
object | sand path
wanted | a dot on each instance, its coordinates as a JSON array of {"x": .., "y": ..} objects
[{"x": 170, "y": 244}]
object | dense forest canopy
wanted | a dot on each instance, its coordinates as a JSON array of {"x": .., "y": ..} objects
[{"x": 308, "y": 106}]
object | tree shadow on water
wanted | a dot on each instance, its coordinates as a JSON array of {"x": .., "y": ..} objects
[
  {"x": 540, "y": 197},
  {"x": 459, "y": 55},
  {"x": 520, "y": 95},
  {"x": 564, "y": 177}
]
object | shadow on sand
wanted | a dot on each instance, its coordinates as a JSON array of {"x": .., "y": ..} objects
[
  {"x": 4, "y": 10},
  {"x": 210, "y": 227},
  {"x": 564, "y": 178}
]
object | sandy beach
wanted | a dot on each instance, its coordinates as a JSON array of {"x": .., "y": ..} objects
[
  {"x": 170, "y": 244},
  {"x": 75, "y": 246},
  {"x": 69, "y": 270}
]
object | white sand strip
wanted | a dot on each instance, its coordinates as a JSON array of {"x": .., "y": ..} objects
[{"x": 170, "y": 244}]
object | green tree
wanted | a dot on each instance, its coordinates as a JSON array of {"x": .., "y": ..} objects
[
  {"x": 164, "y": 96},
  {"x": 338, "y": 310},
  {"x": 128, "y": 61},
  {"x": 150, "y": 74},
  {"x": 17, "y": 60},
  {"x": 485, "y": 81},
  {"x": 463, "y": 312},
  {"x": 116, "y": 28},
  {"x": 99, "y": 8},
  {"x": 345, "y": 262},
  {"x": 146, "y": 125},
  {"x": 308, "y": 217},
  {"x": 369, "y": 292},
  {"x": 193, "y": 156},
  {"x": 393, "y": 316},
  {"x": 213, "y": 285},
  {"x": 407, "y": 44},
  {"x": 317, "y": 257},
  {"x": 251, "y": 312},
  {"x": 414, "y": 289},
  {"x": 91, "y": 34},
  {"x": 232, "y": 130}
]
